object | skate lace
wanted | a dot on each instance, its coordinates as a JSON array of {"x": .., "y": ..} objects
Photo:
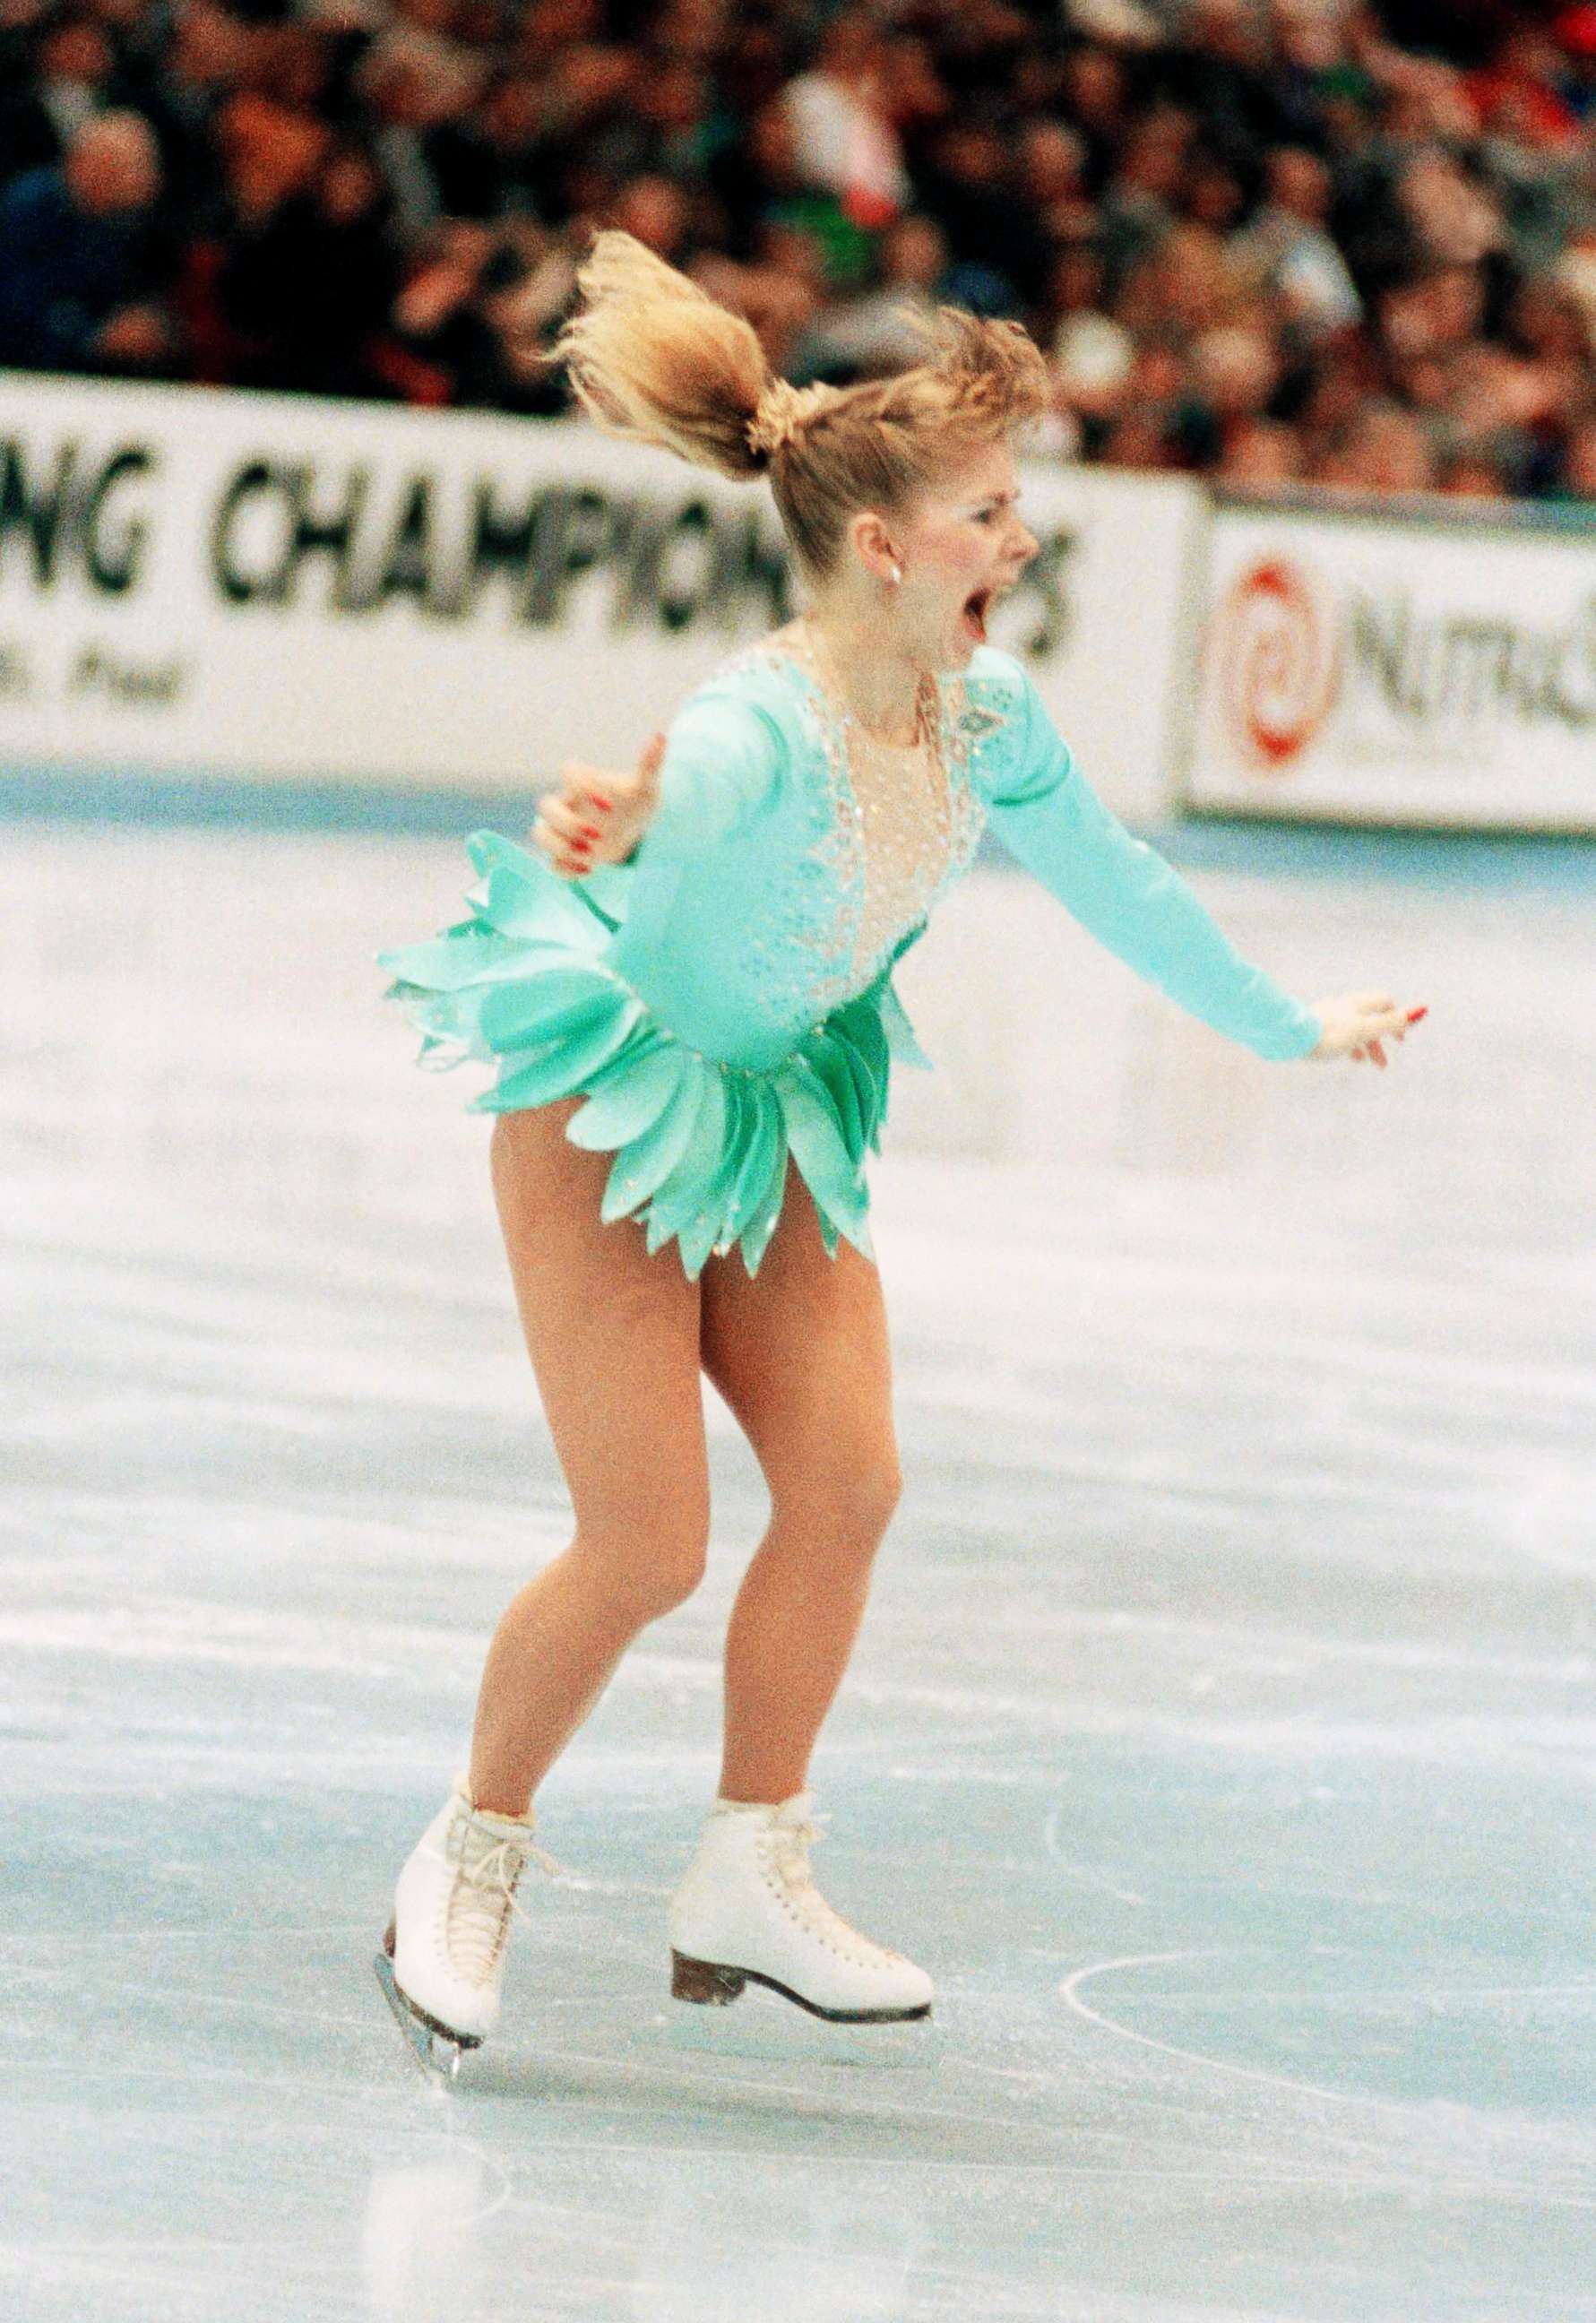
[
  {"x": 482, "y": 1900},
  {"x": 789, "y": 1853},
  {"x": 789, "y": 1845}
]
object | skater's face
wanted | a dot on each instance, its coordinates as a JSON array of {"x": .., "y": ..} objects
[{"x": 959, "y": 546}]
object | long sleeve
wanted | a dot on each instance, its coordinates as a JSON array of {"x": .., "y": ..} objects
[
  {"x": 1123, "y": 893},
  {"x": 723, "y": 758}
]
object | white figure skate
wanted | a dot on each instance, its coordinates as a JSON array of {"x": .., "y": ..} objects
[
  {"x": 441, "y": 1962},
  {"x": 748, "y": 1912}
]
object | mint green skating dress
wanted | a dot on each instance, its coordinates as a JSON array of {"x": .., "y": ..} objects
[{"x": 723, "y": 1001}]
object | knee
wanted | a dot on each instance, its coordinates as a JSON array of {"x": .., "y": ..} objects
[
  {"x": 652, "y": 1564},
  {"x": 878, "y": 1487},
  {"x": 675, "y": 1576},
  {"x": 854, "y": 1502}
]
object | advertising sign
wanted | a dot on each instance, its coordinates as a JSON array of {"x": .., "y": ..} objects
[{"x": 1400, "y": 669}]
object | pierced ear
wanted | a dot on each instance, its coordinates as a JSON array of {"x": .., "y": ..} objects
[{"x": 875, "y": 547}]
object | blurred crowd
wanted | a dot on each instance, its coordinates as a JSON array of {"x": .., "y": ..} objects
[{"x": 1275, "y": 240}]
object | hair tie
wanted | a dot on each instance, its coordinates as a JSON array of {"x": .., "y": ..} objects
[{"x": 784, "y": 410}]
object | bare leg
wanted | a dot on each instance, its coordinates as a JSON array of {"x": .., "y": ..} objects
[
  {"x": 614, "y": 1340},
  {"x": 801, "y": 1356}
]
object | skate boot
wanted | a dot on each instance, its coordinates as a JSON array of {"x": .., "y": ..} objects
[
  {"x": 441, "y": 1962},
  {"x": 749, "y": 1912}
]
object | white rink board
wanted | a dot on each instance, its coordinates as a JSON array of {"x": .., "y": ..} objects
[
  {"x": 270, "y": 586},
  {"x": 1422, "y": 670}
]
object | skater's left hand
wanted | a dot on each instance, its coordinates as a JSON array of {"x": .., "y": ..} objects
[
  {"x": 1357, "y": 1024},
  {"x": 595, "y": 817}
]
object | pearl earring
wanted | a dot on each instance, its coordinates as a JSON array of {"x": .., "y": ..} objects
[{"x": 896, "y": 575}]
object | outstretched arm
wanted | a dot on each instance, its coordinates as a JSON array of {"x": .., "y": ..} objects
[{"x": 1127, "y": 896}]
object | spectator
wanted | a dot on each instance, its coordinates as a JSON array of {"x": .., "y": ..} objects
[
  {"x": 876, "y": 331},
  {"x": 1472, "y": 475},
  {"x": 1575, "y": 73},
  {"x": 1384, "y": 450},
  {"x": 1075, "y": 282},
  {"x": 1578, "y": 478},
  {"x": 1140, "y": 204},
  {"x": 1096, "y": 366},
  {"x": 847, "y": 142},
  {"x": 77, "y": 241},
  {"x": 1053, "y": 161},
  {"x": 1575, "y": 273},
  {"x": 306, "y": 291},
  {"x": 1186, "y": 285},
  {"x": 1287, "y": 249},
  {"x": 1235, "y": 370},
  {"x": 470, "y": 323},
  {"x": 999, "y": 248},
  {"x": 209, "y": 57},
  {"x": 760, "y": 180},
  {"x": 1260, "y": 456},
  {"x": 75, "y": 63},
  {"x": 591, "y": 140},
  {"x": 419, "y": 87},
  {"x": 676, "y": 111},
  {"x": 1095, "y": 95}
]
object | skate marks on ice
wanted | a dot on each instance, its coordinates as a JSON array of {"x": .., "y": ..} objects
[
  {"x": 1455, "y": 2150},
  {"x": 1018, "y": 2088},
  {"x": 1012, "y": 2090}
]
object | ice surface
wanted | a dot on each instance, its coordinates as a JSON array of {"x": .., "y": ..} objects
[{"x": 1222, "y": 1735}]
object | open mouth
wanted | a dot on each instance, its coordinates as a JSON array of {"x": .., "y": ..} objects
[{"x": 976, "y": 606}]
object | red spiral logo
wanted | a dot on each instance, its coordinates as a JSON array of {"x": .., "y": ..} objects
[{"x": 1277, "y": 662}]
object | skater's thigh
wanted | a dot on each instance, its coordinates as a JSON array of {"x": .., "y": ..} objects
[
  {"x": 613, "y": 1334},
  {"x": 801, "y": 1354}
]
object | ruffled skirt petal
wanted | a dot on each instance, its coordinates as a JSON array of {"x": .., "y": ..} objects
[{"x": 700, "y": 1148}]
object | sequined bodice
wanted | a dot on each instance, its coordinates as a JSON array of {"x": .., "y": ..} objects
[
  {"x": 894, "y": 801},
  {"x": 794, "y": 858},
  {"x": 898, "y": 820},
  {"x": 906, "y": 839}
]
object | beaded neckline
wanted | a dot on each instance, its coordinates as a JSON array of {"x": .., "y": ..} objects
[
  {"x": 798, "y": 647},
  {"x": 897, "y": 820}
]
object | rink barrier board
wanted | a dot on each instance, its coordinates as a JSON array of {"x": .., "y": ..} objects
[
  {"x": 1318, "y": 849},
  {"x": 262, "y": 588},
  {"x": 1432, "y": 512},
  {"x": 282, "y": 588}
]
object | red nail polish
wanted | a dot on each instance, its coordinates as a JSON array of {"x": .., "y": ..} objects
[
  {"x": 591, "y": 831},
  {"x": 1414, "y": 1014},
  {"x": 597, "y": 801}
]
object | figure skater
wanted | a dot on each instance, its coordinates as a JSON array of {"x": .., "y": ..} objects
[{"x": 686, "y": 989}]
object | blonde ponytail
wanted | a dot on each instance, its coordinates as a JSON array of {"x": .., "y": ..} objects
[{"x": 651, "y": 357}]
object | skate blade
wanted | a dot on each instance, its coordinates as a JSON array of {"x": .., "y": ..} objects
[
  {"x": 437, "y": 2056},
  {"x": 769, "y": 2030}
]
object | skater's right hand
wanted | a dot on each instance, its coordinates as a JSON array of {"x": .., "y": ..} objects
[
  {"x": 1356, "y": 1024},
  {"x": 593, "y": 817}
]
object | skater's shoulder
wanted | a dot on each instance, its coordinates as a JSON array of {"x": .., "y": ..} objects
[
  {"x": 762, "y": 683},
  {"x": 770, "y": 668}
]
